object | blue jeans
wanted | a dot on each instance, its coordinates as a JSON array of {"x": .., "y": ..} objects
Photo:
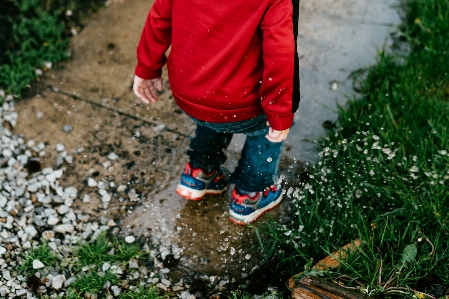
[{"x": 258, "y": 164}]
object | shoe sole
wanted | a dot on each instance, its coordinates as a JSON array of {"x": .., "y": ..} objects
[
  {"x": 192, "y": 194},
  {"x": 251, "y": 218}
]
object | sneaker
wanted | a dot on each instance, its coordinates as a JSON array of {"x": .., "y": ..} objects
[
  {"x": 195, "y": 183},
  {"x": 245, "y": 209}
]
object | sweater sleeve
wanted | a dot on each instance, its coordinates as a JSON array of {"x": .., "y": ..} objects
[
  {"x": 278, "y": 59},
  {"x": 155, "y": 40}
]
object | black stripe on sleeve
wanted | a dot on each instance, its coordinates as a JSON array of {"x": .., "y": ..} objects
[{"x": 296, "y": 83}]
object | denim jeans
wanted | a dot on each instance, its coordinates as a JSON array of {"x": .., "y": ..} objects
[{"x": 258, "y": 164}]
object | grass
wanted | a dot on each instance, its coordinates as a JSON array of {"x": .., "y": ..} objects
[
  {"x": 143, "y": 293},
  {"x": 91, "y": 282},
  {"x": 43, "y": 253},
  {"x": 383, "y": 173},
  {"x": 93, "y": 279},
  {"x": 35, "y": 34},
  {"x": 105, "y": 249}
]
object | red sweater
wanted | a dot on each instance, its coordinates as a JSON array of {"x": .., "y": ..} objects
[{"x": 229, "y": 61}]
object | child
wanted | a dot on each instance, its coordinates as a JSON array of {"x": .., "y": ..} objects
[{"x": 233, "y": 68}]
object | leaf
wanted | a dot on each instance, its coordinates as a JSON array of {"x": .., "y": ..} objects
[{"x": 409, "y": 253}]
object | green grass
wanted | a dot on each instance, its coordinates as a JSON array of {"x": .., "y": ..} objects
[
  {"x": 43, "y": 253},
  {"x": 35, "y": 32},
  {"x": 91, "y": 282},
  {"x": 92, "y": 279},
  {"x": 105, "y": 249},
  {"x": 383, "y": 173},
  {"x": 143, "y": 293}
]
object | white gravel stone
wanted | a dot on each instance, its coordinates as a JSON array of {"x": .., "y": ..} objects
[
  {"x": 62, "y": 209},
  {"x": 58, "y": 282},
  {"x": 130, "y": 239},
  {"x": 48, "y": 234},
  {"x": 69, "y": 281},
  {"x": 86, "y": 198},
  {"x": 31, "y": 231},
  {"x": 91, "y": 182},
  {"x": 116, "y": 290},
  {"x": 113, "y": 156},
  {"x": 60, "y": 147},
  {"x": 116, "y": 270},
  {"x": 64, "y": 228},
  {"x": 52, "y": 220},
  {"x": 162, "y": 286},
  {"x": 132, "y": 264},
  {"x": 37, "y": 264},
  {"x": 6, "y": 275},
  {"x": 106, "y": 266},
  {"x": 166, "y": 282}
]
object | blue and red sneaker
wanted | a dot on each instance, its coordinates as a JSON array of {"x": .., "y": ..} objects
[
  {"x": 195, "y": 183},
  {"x": 245, "y": 209}
]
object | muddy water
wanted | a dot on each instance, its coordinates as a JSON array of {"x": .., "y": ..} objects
[{"x": 336, "y": 37}]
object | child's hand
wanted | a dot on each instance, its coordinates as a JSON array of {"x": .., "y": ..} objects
[
  {"x": 145, "y": 89},
  {"x": 275, "y": 135}
]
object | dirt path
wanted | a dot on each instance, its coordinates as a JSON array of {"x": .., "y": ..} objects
[{"x": 91, "y": 93}]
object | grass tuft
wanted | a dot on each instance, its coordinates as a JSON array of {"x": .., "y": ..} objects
[{"x": 383, "y": 173}]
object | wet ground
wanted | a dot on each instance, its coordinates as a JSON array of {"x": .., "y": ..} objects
[{"x": 91, "y": 92}]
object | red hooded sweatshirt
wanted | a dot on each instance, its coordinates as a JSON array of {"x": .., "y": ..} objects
[{"x": 230, "y": 60}]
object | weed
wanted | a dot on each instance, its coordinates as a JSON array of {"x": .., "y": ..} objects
[
  {"x": 105, "y": 249},
  {"x": 43, "y": 253},
  {"x": 143, "y": 293},
  {"x": 91, "y": 282}
]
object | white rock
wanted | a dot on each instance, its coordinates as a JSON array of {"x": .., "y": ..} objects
[
  {"x": 31, "y": 231},
  {"x": 132, "y": 264},
  {"x": 3, "y": 201},
  {"x": 116, "y": 290},
  {"x": 52, "y": 220},
  {"x": 106, "y": 197},
  {"x": 92, "y": 182},
  {"x": 116, "y": 270},
  {"x": 69, "y": 281},
  {"x": 86, "y": 198},
  {"x": 105, "y": 267},
  {"x": 130, "y": 239},
  {"x": 37, "y": 264},
  {"x": 166, "y": 282},
  {"x": 64, "y": 228},
  {"x": 62, "y": 209},
  {"x": 58, "y": 173},
  {"x": 60, "y": 147},
  {"x": 58, "y": 281},
  {"x": 6, "y": 275},
  {"x": 48, "y": 234},
  {"x": 159, "y": 127},
  {"x": 112, "y": 156},
  {"x": 162, "y": 286}
]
